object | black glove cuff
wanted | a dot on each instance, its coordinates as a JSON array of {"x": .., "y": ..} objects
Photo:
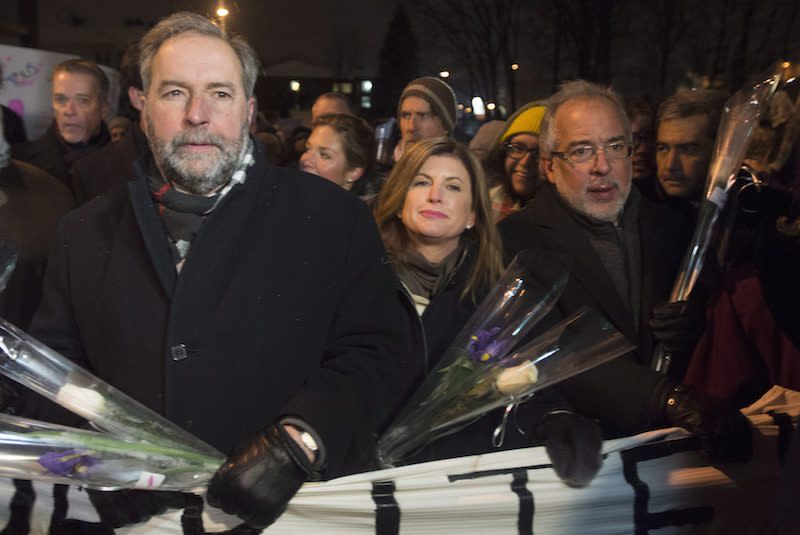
[
  {"x": 303, "y": 426},
  {"x": 297, "y": 454}
]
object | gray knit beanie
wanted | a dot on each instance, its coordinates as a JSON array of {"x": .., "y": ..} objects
[{"x": 438, "y": 94}]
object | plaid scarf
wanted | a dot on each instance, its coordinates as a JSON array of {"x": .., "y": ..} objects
[{"x": 182, "y": 214}]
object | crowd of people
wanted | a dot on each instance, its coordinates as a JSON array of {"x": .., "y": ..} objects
[{"x": 189, "y": 256}]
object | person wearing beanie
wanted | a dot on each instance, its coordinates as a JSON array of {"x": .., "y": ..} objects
[
  {"x": 485, "y": 138},
  {"x": 427, "y": 108},
  {"x": 513, "y": 162}
]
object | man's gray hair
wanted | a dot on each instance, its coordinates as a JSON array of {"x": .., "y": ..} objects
[
  {"x": 577, "y": 90},
  {"x": 689, "y": 102},
  {"x": 188, "y": 22}
]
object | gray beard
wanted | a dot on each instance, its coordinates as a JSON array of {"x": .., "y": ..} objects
[{"x": 177, "y": 168}]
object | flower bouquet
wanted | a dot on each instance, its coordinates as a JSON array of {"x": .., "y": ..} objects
[
  {"x": 479, "y": 372},
  {"x": 739, "y": 117},
  {"x": 133, "y": 439},
  {"x": 37, "y": 450}
]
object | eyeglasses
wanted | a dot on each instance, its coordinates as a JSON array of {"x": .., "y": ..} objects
[
  {"x": 616, "y": 150},
  {"x": 518, "y": 151}
]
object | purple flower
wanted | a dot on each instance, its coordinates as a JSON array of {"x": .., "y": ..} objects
[
  {"x": 68, "y": 462},
  {"x": 483, "y": 346}
]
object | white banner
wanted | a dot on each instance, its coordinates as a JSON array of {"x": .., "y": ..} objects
[{"x": 655, "y": 482}]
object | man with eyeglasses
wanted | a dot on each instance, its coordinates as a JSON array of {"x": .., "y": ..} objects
[
  {"x": 687, "y": 126},
  {"x": 625, "y": 252}
]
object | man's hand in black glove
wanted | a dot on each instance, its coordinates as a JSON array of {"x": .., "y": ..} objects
[
  {"x": 119, "y": 508},
  {"x": 260, "y": 477},
  {"x": 678, "y": 326},
  {"x": 725, "y": 433},
  {"x": 574, "y": 444}
]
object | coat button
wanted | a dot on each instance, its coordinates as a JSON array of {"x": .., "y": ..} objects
[{"x": 178, "y": 352}]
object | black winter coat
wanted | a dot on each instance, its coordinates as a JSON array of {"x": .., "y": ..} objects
[
  {"x": 284, "y": 306},
  {"x": 440, "y": 323},
  {"x": 98, "y": 172},
  {"x": 624, "y": 394}
]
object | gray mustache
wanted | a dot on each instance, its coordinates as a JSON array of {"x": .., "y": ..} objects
[{"x": 197, "y": 138}]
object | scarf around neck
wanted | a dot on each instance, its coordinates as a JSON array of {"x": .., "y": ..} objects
[
  {"x": 182, "y": 214},
  {"x": 425, "y": 279}
]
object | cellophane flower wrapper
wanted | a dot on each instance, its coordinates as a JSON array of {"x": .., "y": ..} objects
[
  {"x": 739, "y": 117},
  {"x": 8, "y": 261},
  {"x": 30, "y": 449},
  {"x": 525, "y": 293},
  {"x": 584, "y": 340},
  {"x": 34, "y": 365}
]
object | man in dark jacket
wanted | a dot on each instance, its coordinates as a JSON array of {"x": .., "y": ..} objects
[
  {"x": 249, "y": 304},
  {"x": 625, "y": 253},
  {"x": 79, "y": 94},
  {"x": 96, "y": 173}
]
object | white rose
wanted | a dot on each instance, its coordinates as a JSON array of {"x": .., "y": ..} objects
[
  {"x": 515, "y": 380},
  {"x": 83, "y": 401}
]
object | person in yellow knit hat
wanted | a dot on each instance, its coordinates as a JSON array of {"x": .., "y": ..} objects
[{"x": 513, "y": 161}]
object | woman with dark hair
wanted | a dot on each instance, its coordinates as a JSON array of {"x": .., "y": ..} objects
[
  {"x": 513, "y": 162},
  {"x": 341, "y": 148},
  {"x": 435, "y": 218}
]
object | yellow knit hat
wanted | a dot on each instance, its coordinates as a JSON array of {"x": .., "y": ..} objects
[{"x": 527, "y": 119}]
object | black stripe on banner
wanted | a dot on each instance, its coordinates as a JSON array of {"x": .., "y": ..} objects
[
  {"x": 387, "y": 511},
  {"x": 643, "y": 520},
  {"x": 785, "y": 430},
  {"x": 498, "y": 472},
  {"x": 526, "y": 505}
]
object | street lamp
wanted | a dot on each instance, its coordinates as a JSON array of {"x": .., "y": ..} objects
[
  {"x": 444, "y": 74},
  {"x": 515, "y": 66},
  {"x": 222, "y": 13}
]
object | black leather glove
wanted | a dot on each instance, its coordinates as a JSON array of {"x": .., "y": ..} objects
[
  {"x": 260, "y": 477},
  {"x": 574, "y": 444},
  {"x": 678, "y": 326},
  {"x": 725, "y": 433},
  {"x": 117, "y": 508}
]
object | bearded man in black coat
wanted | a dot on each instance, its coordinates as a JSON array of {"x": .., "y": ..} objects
[
  {"x": 625, "y": 253},
  {"x": 250, "y": 305}
]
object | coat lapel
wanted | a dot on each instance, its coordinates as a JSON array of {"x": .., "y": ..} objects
[{"x": 153, "y": 234}]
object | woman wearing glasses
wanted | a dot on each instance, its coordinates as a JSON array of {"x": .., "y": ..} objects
[{"x": 513, "y": 162}]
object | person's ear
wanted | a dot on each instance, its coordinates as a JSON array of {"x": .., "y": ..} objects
[
  {"x": 546, "y": 165},
  {"x": 136, "y": 96},
  {"x": 354, "y": 174}
]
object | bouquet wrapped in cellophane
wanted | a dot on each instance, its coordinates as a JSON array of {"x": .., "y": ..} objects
[
  {"x": 135, "y": 448},
  {"x": 30, "y": 449},
  {"x": 481, "y": 371},
  {"x": 740, "y": 116}
]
